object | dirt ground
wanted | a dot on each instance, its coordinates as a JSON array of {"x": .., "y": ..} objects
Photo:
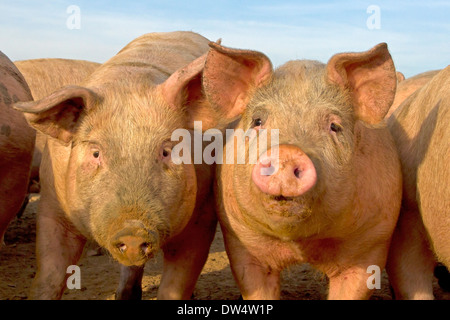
[{"x": 100, "y": 274}]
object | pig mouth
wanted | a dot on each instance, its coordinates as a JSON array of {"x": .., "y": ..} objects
[
  {"x": 128, "y": 263},
  {"x": 288, "y": 207},
  {"x": 281, "y": 198}
]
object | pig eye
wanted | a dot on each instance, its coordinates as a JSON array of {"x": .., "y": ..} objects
[
  {"x": 257, "y": 122},
  {"x": 165, "y": 153},
  {"x": 335, "y": 127},
  {"x": 96, "y": 154}
]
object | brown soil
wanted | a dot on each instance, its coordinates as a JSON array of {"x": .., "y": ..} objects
[{"x": 100, "y": 274}]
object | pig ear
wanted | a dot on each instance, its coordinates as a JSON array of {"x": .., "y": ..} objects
[
  {"x": 400, "y": 76},
  {"x": 183, "y": 89},
  {"x": 57, "y": 114},
  {"x": 184, "y": 85},
  {"x": 230, "y": 77},
  {"x": 370, "y": 78},
  {"x": 217, "y": 86}
]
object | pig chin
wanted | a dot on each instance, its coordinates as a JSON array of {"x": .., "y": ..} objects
[
  {"x": 287, "y": 218},
  {"x": 289, "y": 207}
]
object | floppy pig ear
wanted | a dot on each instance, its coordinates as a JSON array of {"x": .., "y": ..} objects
[
  {"x": 183, "y": 89},
  {"x": 216, "y": 87},
  {"x": 370, "y": 78},
  {"x": 57, "y": 114},
  {"x": 230, "y": 77}
]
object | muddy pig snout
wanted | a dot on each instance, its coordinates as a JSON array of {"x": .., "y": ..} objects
[
  {"x": 284, "y": 170},
  {"x": 134, "y": 245}
]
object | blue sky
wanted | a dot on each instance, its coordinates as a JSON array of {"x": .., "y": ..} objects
[{"x": 417, "y": 32}]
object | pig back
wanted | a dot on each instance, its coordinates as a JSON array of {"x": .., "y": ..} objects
[
  {"x": 16, "y": 136},
  {"x": 151, "y": 58},
  {"x": 407, "y": 87}
]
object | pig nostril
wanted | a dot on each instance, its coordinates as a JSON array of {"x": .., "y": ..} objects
[
  {"x": 297, "y": 172},
  {"x": 122, "y": 247}
]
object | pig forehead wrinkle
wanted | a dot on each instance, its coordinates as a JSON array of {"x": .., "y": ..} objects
[
  {"x": 298, "y": 86},
  {"x": 291, "y": 106},
  {"x": 132, "y": 116}
]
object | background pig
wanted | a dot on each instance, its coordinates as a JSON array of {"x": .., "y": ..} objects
[
  {"x": 107, "y": 167},
  {"x": 43, "y": 77},
  {"x": 420, "y": 129},
  {"x": 406, "y": 87},
  {"x": 334, "y": 198},
  {"x": 16, "y": 143}
]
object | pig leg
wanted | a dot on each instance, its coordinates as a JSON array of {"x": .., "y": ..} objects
[
  {"x": 352, "y": 283},
  {"x": 58, "y": 246},
  {"x": 130, "y": 283},
  {"x": 256, "y": 280},
  {"x": 185, "y": 256},
  {"x": 410, "y": 264}
]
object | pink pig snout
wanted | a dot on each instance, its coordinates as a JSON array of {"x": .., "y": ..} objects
[{"x": 284, "y": 170}]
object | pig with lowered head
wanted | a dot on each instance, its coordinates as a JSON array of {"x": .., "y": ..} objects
[
  {"x": 16, "y": 143},
  {"x": 107, "y": 172},
  {"x": 328, "y": 192}
]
